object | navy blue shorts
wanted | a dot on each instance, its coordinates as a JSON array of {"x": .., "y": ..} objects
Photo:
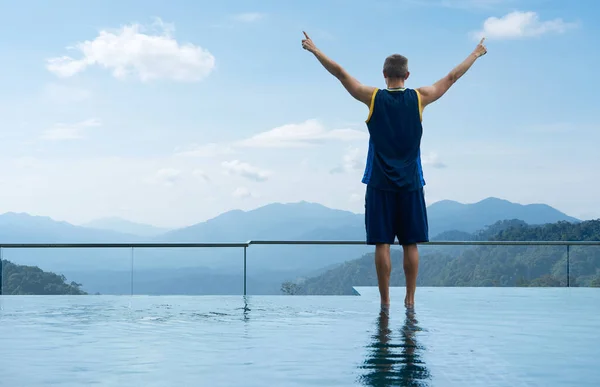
[{"x": 390, "y": 214}]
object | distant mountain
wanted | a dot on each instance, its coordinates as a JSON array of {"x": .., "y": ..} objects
[
  {"x": 292, "y": 221},
  {"x": 126, "y": 227},
  {"x": 25, "y": 228},
  {"x": 272, "y": 222},
  {"x": 449, "y": 215},
  {"x": 300, "y": 220},
  {"x": 265, "y": 264},
  {"x": 310, "y": 221}
]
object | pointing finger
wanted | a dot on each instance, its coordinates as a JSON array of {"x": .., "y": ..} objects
[
  {"x": 305, "y": 35},
  {"x": 482, "y": 40}
]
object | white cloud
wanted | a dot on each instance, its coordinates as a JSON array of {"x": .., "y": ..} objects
[
  {"x": 432, "y": 160},
  {"x": 246, "y": 170},
  {"x": 242, "y": 193},
  {"x": 249, "y": 17},
  {"x": 516, "y": 25},
  {"x": 207, "y": 150},
  {"x": 74, "y": 131},
  {"x": 307, "y": 133},
  {"x": 166, "y": 176},
  {"x": 62, "y": 94},
  {"x": 352, "y": 161},
  {"x": 129, "y": 51}
]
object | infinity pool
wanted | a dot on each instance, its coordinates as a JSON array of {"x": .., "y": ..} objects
[{"x": 455, "y": 337}]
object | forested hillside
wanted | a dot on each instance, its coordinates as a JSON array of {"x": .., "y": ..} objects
[
  {"x": 31, "y": 280},
  {"x": 480, "y": 266}
]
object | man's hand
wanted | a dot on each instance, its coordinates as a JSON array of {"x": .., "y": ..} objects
[
  {"x": 432, "y": 93},
  {"x": 360, "y": 92},
  {"x": 308, "y": 44},
  {"x": 480, "y": 50}
]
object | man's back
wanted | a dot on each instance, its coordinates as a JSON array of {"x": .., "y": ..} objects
[{"x": 394, "y": 123}]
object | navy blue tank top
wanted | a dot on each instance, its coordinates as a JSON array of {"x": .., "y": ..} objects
[{"x": 394, "y": 157}]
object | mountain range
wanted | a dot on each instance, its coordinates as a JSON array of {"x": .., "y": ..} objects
[
  {"x": 450, "y": 215},
  {"x": 125, "y": 226},
  {"x": 266, "y": 264}
]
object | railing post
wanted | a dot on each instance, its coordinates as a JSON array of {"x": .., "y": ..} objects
[
  {"x": 245, "y": 248},
  {"x": 132, "y": 271},
  {"x": 1, "y": 268},
  {"x": 568, "y": 266}
]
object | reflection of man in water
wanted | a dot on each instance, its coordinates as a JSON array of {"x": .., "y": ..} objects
[{"x": 395, "y": 363}]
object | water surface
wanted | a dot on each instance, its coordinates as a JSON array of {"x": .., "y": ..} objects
[{"x": 455, "y": 337}]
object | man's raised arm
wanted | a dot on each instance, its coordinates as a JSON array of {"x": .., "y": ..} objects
[
  {"x": 355, "y": 88},
  {"x": 432, "y": 93}
]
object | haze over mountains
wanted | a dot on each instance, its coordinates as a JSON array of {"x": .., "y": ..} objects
[
  {"x": 125, "y": 226},
  {"x": 159, "y": 270}
]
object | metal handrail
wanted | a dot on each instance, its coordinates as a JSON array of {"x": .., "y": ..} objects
[
  {"x": 249, "y": 243},
  {"x": 117, "y": 245},
  {"x": 435, "y": 243},
  {"x": 283, "y": 242}
]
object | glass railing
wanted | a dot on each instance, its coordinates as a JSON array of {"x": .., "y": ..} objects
[{"x": 284, "y": 267}]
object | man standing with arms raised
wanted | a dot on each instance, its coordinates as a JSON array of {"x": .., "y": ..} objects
[{"x": 394, "y": 200}]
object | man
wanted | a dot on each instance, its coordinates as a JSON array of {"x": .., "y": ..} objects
[{"x": 394, "y": 200}]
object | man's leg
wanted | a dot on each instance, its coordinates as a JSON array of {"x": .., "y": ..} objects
[
  {"x": 379, "y": 223},
  {"x": 411, "y": 270},
  {"x": 413, "y": 229},
  {"x": 383, "y": 265}
]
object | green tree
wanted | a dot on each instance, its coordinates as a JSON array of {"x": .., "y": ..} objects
[
  {"x": 290, "y": 288},
  {"x": 31, "y": 280}
]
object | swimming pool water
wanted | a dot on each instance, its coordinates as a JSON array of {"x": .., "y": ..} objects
[{"x": 455, "y": 337}]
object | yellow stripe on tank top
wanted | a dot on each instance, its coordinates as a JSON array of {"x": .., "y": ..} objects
[
  {"x": 372, "y": 105},
  {"x": 420, "y": 105}
]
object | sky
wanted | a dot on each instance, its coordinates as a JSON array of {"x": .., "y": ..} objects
[{"x": 170, "y": 113}]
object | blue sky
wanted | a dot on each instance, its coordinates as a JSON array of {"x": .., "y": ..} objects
[{"x": 173, "y": 112}]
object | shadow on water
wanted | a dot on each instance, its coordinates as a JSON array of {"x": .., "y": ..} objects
[{"x": 395, "y": 361}]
